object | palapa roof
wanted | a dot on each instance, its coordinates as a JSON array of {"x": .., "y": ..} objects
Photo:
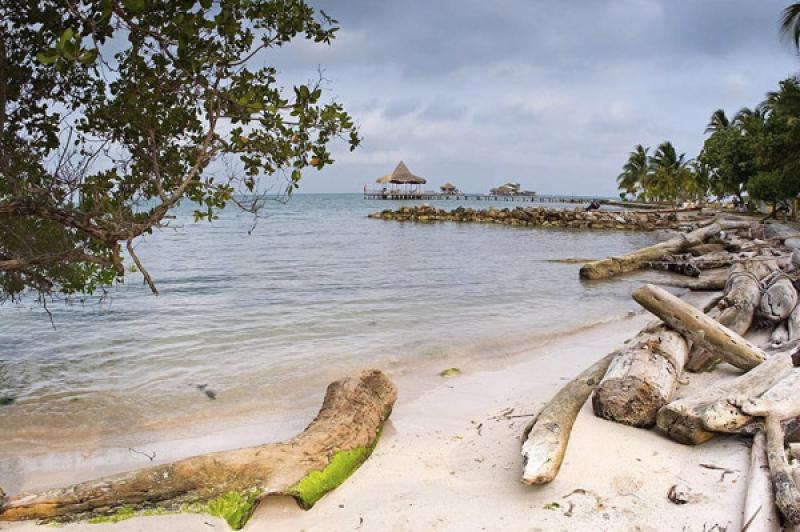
[
  {"x": 448, "y": 186},
  {"x": 401, "y": 176}
]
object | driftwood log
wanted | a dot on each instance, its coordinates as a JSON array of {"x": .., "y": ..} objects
[
  {"x": 686, "y": 420},
  {"x": 736, "y": 309},
  {"x": 779, "y": 298},
  {"x": 642, "y": 378},
  {"x": 787, "y": 495},
  {"x": 708, "y": 283},
  {"x": 612, "y": 266},
  {"x": 760, "y": 513},
  {"x": 545, "y": 439},
  {"x": 344, "y": 431},
  {"x": 699, "y": 328}
]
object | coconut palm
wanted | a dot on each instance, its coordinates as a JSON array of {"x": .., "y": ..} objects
[
  {"x": 634, "y": 172},
  {"x": 750, "y": 121},
  {"x": 718, "y": 122},
  {"x": 669, "y": 173},
  {"x": 790, "y": 23}
]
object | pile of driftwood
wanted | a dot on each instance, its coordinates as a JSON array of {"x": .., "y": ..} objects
[{"x": 636, "y": 385}]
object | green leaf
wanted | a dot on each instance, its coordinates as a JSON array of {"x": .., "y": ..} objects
[
  {"x": 48, "y": 57},
  {"x": 65, "y": 38},
  {"x": 88, "y": 57}
]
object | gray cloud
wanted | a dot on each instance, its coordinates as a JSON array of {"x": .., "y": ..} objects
[{"x": 550, "y": 94}]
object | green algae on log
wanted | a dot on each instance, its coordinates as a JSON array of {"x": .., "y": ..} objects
[
  {"x": 350, "y": 420},
  {"x": 317, "y": 483}
]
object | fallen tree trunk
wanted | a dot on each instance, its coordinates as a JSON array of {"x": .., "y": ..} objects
[
  {"x": 305, "y": 467},
  {"x": 787, "y": 495},
  {"x": 760, "y": 513},
  {"x": 685, "y": 420},
  {"x": 700, "y": 329},
  {"x": 779, "y": 298},
  {"x": 642, "y": 378},
  {"x": 611, "y": 266},
  {"x": 545, "y": 439},
  {"x": 736, "y": 309}
]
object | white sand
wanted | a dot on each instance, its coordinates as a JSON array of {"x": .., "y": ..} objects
[{"x": 449, "y": 460}]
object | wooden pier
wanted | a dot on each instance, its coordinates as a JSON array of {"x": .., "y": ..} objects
[{"x": 398, "y": 195}]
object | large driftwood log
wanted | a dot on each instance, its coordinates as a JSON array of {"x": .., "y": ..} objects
[
  {"x": 710, "y": 282},
  {"x": 685, "y": 419},
  {"x": 779, "y": 298},
  {"x": 760, "y": 513},
  {"x": 700, "y": 329},
  {"x": 545, "y": 439},
  {"x": 787, "y": 495},
  {"x": 737, "y": 412},
  {"x": 736, "y": 309},
  {"x": 642, "y": 378},
  {"x": 611, "y": 266},
  {"x": 345, "y": 430}
]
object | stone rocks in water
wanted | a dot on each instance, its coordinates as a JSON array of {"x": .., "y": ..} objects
[
  {"x": 7, "y": 400},
  {"x": 534, "y": 217}
]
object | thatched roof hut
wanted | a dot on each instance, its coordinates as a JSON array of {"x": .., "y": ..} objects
[
  {"x": 448, "y": 188},
  {"x": 401, "y": 176}
]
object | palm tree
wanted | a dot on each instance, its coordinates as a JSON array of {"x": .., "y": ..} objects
[
  {"x": 634, "y": 172},
  {"x": 790, "y": 23},
  {"x": 751, "y": 120},
  {"x": 668, "y": 172},
  {"x": 718, "y": 122}
]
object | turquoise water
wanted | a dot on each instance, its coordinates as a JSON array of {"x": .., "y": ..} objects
[{"x": 263, "y": 320}]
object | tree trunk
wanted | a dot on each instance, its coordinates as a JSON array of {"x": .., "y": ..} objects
[
  {"x": 737, "y": 307},
  {"x": 344, "y": 431},
  {"x": 700, "y": 329},
  {"x": 787, "y": 495},
  {"x": 642, "y": 378},
  {"x": 686, "y": 419},
  {"x": 760, "y": 513},
  {"x": 709, "y": 283},
  {"x": 612, "y": 266},
  {"x": 545, "y": 439}
]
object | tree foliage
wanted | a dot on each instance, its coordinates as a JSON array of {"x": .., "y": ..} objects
[{"x": 113, "y": 111}]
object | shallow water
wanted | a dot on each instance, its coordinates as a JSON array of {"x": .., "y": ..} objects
[{"x": 264, "y": 320}]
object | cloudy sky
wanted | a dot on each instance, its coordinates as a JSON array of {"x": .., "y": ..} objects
[{"x": 552, "y": 94}]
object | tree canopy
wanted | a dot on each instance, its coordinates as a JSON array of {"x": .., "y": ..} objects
[{"x": 113, "y": 111}]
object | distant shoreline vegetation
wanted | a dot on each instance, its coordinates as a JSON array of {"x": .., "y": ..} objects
[{"x": 755, "y": 153}]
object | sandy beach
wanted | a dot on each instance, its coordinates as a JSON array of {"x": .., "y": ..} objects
[{"x": 449, "y": 460}]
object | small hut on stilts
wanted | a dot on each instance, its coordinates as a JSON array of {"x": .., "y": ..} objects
[{"x": 410, "y": 184}]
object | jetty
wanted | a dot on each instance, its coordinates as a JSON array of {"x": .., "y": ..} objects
[{"x": 406, "y": 195}]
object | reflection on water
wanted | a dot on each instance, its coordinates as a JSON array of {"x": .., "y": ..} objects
[{"x": 264, "y": 320}]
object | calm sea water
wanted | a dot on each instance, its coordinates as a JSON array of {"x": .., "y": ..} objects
[{"x": 262, "y": 320}]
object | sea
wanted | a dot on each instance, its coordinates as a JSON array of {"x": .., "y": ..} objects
[{"x": 255, "y": 317}]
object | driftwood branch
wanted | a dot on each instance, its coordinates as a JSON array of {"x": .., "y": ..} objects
[
  {"x": 699, "y": 328},
  {"x": 736, "y": 309},
  {"x": 350, "y": 420},
  {"x": 545, "y": 440},
  {"x": 787, "y": 495},
  {"x": 760, "y": 513}
]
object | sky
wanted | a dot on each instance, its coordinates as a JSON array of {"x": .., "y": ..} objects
[{"x": 550, "y": 94}]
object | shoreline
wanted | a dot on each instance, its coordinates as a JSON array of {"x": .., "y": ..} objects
[{"x": 449, "y": 459}]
